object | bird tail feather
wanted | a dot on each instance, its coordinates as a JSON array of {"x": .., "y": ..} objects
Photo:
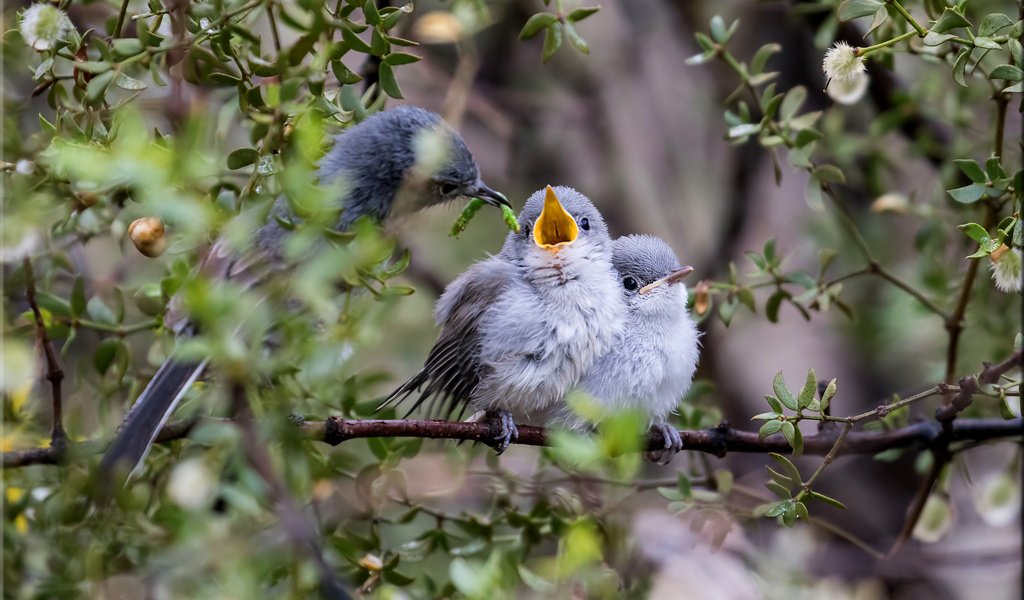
[{"x": 145, "y": 419}]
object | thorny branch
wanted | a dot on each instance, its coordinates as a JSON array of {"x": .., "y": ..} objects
[{"x": 54, "y": 372}]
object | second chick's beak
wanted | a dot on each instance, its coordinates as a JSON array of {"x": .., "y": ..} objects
[
  {"x": 671, "y": 278},
  {"x": 554, "y": 228}
]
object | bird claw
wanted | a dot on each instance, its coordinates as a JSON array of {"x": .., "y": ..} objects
[
  {"x": 503, "y": 430},
  {"x": 673, "y": 444}
]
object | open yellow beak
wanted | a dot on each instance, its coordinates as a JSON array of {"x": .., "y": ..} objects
[
  {"x": 554, "y": 228},
  {"x": 674, "y": 277}
]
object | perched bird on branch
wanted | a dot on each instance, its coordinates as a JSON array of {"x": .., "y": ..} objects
[
  {"x": 393, "y": 163},
  {"x": 651, "y": 366},
  {"x": 520, "y": 328}
]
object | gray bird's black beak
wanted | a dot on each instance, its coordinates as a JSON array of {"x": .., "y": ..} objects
[
  {"x": 491, "y": 196},
  {"x": 671, "y": 278}
]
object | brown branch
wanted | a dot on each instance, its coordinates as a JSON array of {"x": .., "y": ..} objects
[
  {"x": 719, "y": 440},
  {"x": 54, "y": 372},
  {"x": 302, "y": 534}
]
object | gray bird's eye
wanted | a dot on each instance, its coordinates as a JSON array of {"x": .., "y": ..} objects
[
  {"x": 448, "y": 189},
  {"x": 630, "y": 283},
  {"x": 585, "y": 224}
]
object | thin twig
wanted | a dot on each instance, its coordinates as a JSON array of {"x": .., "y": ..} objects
[
  {"x": 54, "y": 372},
  {"x": 295, "y": 524}
]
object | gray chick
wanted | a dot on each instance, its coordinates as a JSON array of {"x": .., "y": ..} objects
[
  {"x": 394, "y": 162},
  {"x": 520, "y": 328},
  {"x": 651, "y": 367}
]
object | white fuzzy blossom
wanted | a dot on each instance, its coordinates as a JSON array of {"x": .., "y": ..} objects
[
  {"x": 842, "y": 65},
  {"x": 1006, "y": 270},
  {"x": 850, "y": 91},
  {"x": 43, "y": 25},
  {"x": 191, "y": 485}
]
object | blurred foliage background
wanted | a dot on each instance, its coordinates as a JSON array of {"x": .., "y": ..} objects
[{"x": 201, "y": 113}]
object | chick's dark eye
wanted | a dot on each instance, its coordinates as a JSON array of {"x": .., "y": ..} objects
[
  {"x": 630, "y": 283},
  {"x": 585, "y": 224},
  {"x": 448, "y": 188}
]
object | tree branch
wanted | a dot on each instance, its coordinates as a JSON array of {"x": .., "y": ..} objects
[
  {"x": 54, "y": 372},
  {"x": 719, "y": 440}
]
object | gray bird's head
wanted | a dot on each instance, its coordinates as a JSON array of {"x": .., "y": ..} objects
[
  {"x": 556, "y": 226},
  {"x": 650, "y": 274},
  {"x": 399, "y": 161}
]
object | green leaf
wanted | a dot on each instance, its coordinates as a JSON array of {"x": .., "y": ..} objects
[
  {"x": 829, "y": 174},
  {"x": 388, "y": 82},
  {"x": 401, "y": 58},
  {"x": 343, "y": 73},
  {"x": 78, "y": 297},
  {"x": 971, "y": 169},
  {"x": 797, "y": 442},
  {"x": 761, "y": 57},
  {"x": 826, "y": 397},
  {"x": 771, "y": 307},
  {"x": 937, "y": 39},
  {"x": 127, "y": 47},
  {"x": 787, "y": 465},
  {"x": 789, "y": 432},
  {"x": 992, "y": 23},
  {"x": 994, "y": 168},
  {"x": 99, "y": 311},
  {"x": 975, "y": 232},
  {"x": 552, "y": 42},
  {"x": 243, "y": 157},
  {"x": 718, "y": 30},
  {"x": 53, "y": 304},
  {"x": 1007, "y": 72},
  {"x": 791, "y": 104},
  {"x": 778, "y": 489},
  {"x": 370, "y": 12},
  {"x": 92, "y": 66},
  {"x": 774, "y": 403},
  {"x": 968, "y": 194},
  {"x": 769, "y": 428},
  {"x": 808, "y": 391},
  {"x": 128, "y": 83},
  {"x": 581, "y": 13},
  {"x": 782, "y": 392},
  {"x": 801, "y": 510},
  {"x": 536, "y": 23},
  {"x": 827, "y": 500},
  {"x": 97, "y": 87},
  {"x": 986, "y": 43},
  {"x": 949, "y": 20},
  {"x": 854, "y": 9},
  {"x": 353, "y": 41},
  {"x": 575, "y": 39},
  {"x": 104, "y": 355},
  {"x": 960, "y": 65},
  {"x": 746, "y": 297}
]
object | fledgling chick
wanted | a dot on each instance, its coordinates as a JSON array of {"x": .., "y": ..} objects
[
  {"x": 394, "y": 162},
  {"x": 651, "y": 366},
  {"x": 520, "y": 328}
]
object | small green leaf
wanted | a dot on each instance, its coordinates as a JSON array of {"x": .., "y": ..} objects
[
  {"x": 782, "y": 392},
  {"x": 975, "y": 232},
  {"x": 536, "y": 23},
  {"x": 787, "y": 466},
  {"x": 778, "y": 489},
  {"x": 949, "y": 20},
  {"x": 1007, "y": 72},
  {"x": 992, "y": 23},
  {"x": 128, "y": 83},
  {"x": 769, "y": 428},
  {"x": 97, "y": 87},
  {"x": 126, "y": 47},
  {"x": 242, "y": 157},
  {"x": 370, "y": 12},
  {"x": 92, "y": 66},
  {"x": 103, "y": 357},
  {"x": 854, "y": 9},
  {"x": 827, "y": 500},
  {"x": 718, "y": 30},
  {"x": 968, "y": 194},
  {"x": 789, "y": 432},
  {"x": 774, "y": 403},
  {"x": 826, "y": 397},
  {"x": 581, "y": 13},
  {"x": 388, "y": 82},
  {"x": 971, "y": 169},
  {"x": 552, "y": 41},
  {"x": 808, "y": 391},
  {"x": 761, "y": 57},
  {"x": 575, "y": 39},
  {"x": 960, "y": 65},
  {"x": 401, "y": 58},
  {"x": 986, "y": 43},
  {"x": 746, "y": 297},
  {"x": 78, "y": 297},
  {"x": 801, "y": 510},
  {"x": 771, "y": 308},
  {"x": 791, "y": 104}
]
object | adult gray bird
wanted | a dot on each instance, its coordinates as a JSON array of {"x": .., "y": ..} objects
[
  {"x": 393, "y": 163},
  {"x": 520, "y": 328},
  {"x": 651, "y": 366}
]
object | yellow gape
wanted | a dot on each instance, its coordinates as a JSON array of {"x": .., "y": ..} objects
[{"x": 555, "y": 227}]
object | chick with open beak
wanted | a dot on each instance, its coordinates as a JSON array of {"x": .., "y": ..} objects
[
  {"x": 520, "y": 328},
  {"x": 651, "y": 367}
]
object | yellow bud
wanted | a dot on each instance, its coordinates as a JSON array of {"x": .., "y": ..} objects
[
  {"x": 371, "y": 562},
  {"x": 999, "y": 252},
  {"x": 84, "y": 200},
  {"x": 148, "y": 236},
  {"x": 891, "y": 202},
  {"x": 438, "y": 27},
  {"x": 701, "y": 298}
]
